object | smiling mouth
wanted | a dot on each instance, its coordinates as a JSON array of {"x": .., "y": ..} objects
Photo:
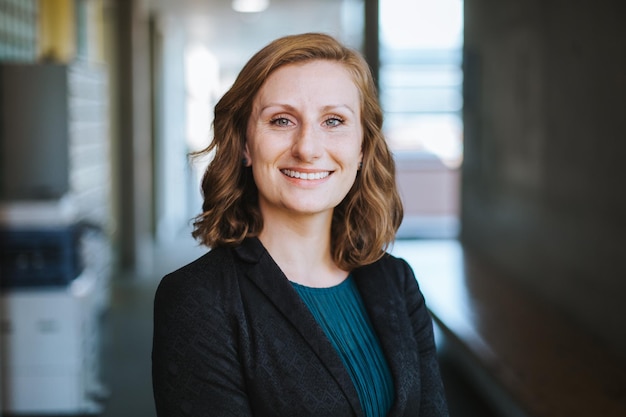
[{"x": 305, "y": 175}]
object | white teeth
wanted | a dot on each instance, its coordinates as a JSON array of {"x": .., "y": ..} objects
[{"x": 305, "y": 175}]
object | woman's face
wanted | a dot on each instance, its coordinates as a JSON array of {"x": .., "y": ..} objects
[{"x": 304, "y": 139}]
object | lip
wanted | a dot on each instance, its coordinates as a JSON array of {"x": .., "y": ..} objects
[{"x": 305, "y": 174}]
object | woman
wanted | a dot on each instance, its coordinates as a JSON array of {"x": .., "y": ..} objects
[{"x": 297, "y": 310}]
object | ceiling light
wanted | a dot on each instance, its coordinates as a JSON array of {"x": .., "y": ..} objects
[{"x": 250, "y": 6}]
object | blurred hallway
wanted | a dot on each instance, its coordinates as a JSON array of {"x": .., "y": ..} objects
[{"x": 541, "y": 142}]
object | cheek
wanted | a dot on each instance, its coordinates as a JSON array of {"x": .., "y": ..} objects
[
  {"x": 258, "y": 153},
  {"x": 264, "y": 155},
  {"x": 354, "y": 151},
  {"x": 253, "y": 140}
]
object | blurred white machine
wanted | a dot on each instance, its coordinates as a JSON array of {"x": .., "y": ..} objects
[
  {"x": 50, "y": 349},
  {"x": 53, "y": 292}
]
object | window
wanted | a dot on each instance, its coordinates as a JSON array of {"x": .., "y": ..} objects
[{"x": 421, "y": 76}]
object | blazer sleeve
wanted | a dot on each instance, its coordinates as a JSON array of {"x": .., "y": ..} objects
[
  {"x": 433, "y": 399},
  {"x": 195, "y": 366}
]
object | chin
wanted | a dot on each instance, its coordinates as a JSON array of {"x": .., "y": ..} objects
[{"x": 310, "y": 209}]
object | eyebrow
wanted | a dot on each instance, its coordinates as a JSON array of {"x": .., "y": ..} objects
[{"x": 289, "y": 107}]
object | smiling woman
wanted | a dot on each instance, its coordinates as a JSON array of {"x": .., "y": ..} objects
[
  {"x": 231, "y": 210},
  {"x": 297, "y": 310}
]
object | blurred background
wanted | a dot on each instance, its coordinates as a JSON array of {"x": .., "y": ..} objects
[{"x": 507, "y": 123}]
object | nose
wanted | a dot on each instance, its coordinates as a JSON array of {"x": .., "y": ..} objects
[{"x": 307, "y": 144}]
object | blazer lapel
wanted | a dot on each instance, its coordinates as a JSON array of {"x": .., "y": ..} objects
[
  {"x": 383, "y": 304},
  {"x": 270, "y": 279}
]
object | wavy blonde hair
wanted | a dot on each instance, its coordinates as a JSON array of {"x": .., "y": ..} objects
[{"x": 364, "y": 224}]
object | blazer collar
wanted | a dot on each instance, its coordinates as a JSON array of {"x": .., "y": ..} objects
[
  {"x": 383, "y": 304},
  {"x": 269, "y": 278}
]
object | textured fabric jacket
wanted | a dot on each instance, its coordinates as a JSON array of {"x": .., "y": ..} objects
[{"x": 233, "y": 338}]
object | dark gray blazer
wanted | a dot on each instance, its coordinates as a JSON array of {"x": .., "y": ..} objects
[{"x": 233, "y": 338}]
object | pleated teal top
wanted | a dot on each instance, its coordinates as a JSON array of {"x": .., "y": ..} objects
[{"x": 340, "y": 312}]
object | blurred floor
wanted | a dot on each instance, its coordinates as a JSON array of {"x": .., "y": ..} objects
[
  {"x": 127, "y": 340},
  {"x": 127, "y": 344},
  {"x": 126, "y": 349}
]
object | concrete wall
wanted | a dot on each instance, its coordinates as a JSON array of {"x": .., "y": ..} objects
[
  {"x": 133, "y": 143},
  {"x": 545, "y": 125}
]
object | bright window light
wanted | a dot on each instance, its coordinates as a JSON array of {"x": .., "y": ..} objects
[
  {"x": 250, "y": 6},
  {"x": 426, "y": 24}
]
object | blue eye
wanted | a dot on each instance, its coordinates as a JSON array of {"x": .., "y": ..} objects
[
  {"x": 333, "y": 121},
  {"x": 280, "y": 121}
]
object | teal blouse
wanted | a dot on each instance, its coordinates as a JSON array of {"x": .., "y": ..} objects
[{"x": 340, "y": 312}]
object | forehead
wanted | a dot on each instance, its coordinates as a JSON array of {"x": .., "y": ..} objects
[
  {"x": 325, "y": 78},
  {"x": 313, "y": 65}
]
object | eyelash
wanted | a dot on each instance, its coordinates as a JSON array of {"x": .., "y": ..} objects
[
  {"x": 337, "y": 118},
  {"x": 277, "y": 119}
]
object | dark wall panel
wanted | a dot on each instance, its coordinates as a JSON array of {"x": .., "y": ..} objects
[
  {"x": 33, "y": 131},
  {"x": 545, "y": 127}
]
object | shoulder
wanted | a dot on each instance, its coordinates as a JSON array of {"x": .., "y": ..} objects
[
  {"x": 395, "y": 276},
  {"x": 205, "y": 277},
  {"x": 393, "y": 268},
  {"x": 213, "y": 261},
  {"x": 389, "y": 275},
  {"x": 215, "y": 274}
]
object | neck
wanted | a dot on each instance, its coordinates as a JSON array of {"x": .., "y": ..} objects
[{"x": 302, "y": 249}]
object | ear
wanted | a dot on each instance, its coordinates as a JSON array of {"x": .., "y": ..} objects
[{"x": 247, "y": 160}]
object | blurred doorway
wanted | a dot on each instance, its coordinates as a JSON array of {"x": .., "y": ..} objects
[{"x": 203, "y": 45}]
